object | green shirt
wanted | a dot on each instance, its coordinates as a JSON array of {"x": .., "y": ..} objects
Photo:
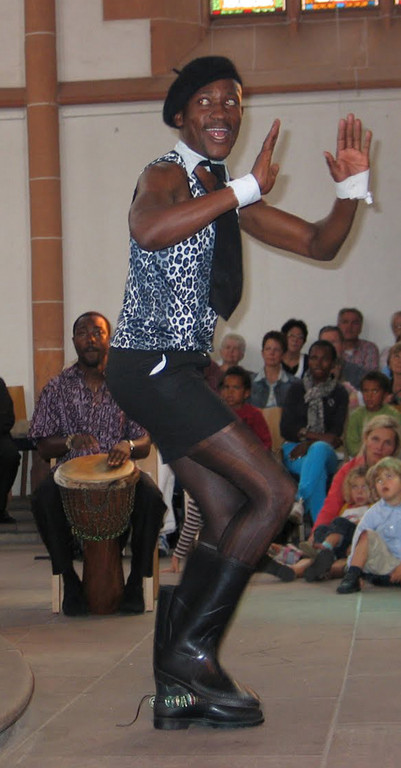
[{"x": 356, "y": 422}]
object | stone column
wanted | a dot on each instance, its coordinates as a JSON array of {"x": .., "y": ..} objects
[{"x": 44, "y": 189}]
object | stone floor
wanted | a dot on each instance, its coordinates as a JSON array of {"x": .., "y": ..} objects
[{"x": 326, "y": 666}]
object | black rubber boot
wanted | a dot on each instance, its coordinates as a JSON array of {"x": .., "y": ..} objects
[{"x": 191, "y": 686}]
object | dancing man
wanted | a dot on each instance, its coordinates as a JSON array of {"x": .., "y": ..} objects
[{"x": 185, "y": 270}]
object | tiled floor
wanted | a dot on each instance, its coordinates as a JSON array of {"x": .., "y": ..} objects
[{"x": 326, "y": 666}]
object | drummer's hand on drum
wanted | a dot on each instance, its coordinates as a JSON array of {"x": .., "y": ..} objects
[
  {"x": 119, "y": 454},
  {"x": 85, "y": 442}
]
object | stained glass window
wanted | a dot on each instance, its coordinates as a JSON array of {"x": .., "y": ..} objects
[
  {"x": 319, "y": 5},
  {"x": 230, "y": 7}
]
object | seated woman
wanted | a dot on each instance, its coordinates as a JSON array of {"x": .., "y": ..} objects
[
  {"x": 381, "y": 438},
  {"x": 232, "y": 350},
  {"x": 272, "y": 383},
  {"x": 294, "y": 361},
  {"x": 394, "y": 364},
  {"x": 312, "y": 423}
]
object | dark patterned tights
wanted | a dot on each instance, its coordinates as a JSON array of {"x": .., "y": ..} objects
[{"x": 244, "y": 495}]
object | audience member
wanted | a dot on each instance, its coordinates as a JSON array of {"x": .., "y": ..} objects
[
  {"x": 235, "y": 390},
  {"x": 75, "y": 416},
  {"x": 376, "y": 545},
  {"x": 232, "y": 351},
  {"x": 294, "y": 361},
  {"x": 396, "y": 329},
  {"x": 332, "y": 542},
  {"x": 375, "y": 389},
  {"x": 347, "y": 373},
  {"x": 381, "y": 437},
  {"x": 356, "y": 350},
  {"x": 9, "y": 456},
  {"x": 312, "y": 424},
  {"x": 394, "y": 365},
  {"x": 271, "y": 384}
]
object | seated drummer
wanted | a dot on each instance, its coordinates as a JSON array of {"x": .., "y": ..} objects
[{"x": 75, "y": 416}]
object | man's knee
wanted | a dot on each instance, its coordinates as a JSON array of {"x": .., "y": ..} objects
[
  {"x": 46, "y": 500},
  {"x": 320, "y": 450},
  {"x": 9, "y": 454},
  {"x": 148, "y": 498}
]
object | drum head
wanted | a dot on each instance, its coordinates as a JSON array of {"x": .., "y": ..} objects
[{"x": 91, "y": 469}]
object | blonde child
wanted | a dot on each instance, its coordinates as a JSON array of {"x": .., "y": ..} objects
[
  {"x": 334, "y": 540},
  {"x": 376, "y": 545}
]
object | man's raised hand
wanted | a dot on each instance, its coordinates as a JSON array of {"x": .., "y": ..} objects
[
  {"x": 264, "y": 171},
  {"x": 352, "y": 156}
]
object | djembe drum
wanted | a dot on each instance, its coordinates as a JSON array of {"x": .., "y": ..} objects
[{"x": 98, "y": 500}]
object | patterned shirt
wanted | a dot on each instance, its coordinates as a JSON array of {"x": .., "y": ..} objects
[
  {"x": 365, "y": 354},
  {"x": 166, "y": 298},
  {"x": 67, "y": 406}
]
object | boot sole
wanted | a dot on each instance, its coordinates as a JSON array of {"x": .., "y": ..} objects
[
  {"x": 202, "y": 719},
  {"x": 320, "y": 567}
]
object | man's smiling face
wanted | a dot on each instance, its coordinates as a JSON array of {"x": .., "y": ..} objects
[{"x": 210, "y": 122}]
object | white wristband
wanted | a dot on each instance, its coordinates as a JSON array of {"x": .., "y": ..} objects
[
  {"x": 246, "y": 189},
  {"x": 355, "y": 187}
]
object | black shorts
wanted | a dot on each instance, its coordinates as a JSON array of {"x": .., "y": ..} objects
[{"x": 166, "y": 392}]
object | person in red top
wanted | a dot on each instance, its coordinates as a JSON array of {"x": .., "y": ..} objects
[{"x": 235, "y": 389}]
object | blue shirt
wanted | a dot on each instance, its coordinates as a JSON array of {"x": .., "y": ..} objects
[{"x": 386, "y": 521}]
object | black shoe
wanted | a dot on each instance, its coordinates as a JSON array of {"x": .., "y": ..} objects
[
  {"x": 320, "y": 567},
  {"x": 132, "y": 601},
  {"x": 349, "y": 584},
  {"x": 268, "y": 565},
  {"x": 74, "y": 602},
  {"x": 6, "y": 518}
]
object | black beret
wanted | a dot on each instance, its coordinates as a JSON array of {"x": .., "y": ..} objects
[{"x": 193, "y": 76}]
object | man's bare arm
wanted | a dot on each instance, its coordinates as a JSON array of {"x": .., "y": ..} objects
[
  {"x": 164, "y": 213},
  {"x": 320, "y": 240}
]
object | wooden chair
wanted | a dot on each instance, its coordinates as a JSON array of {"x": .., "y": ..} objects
[
  {"x": 151, "y": 583},
  {"x": 272, "y": 417},
  {"x": 19, "y": 432}
]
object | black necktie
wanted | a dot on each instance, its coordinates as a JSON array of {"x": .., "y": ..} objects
[{"x": 226, "y": 274}]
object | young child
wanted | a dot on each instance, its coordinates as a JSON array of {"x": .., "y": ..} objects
[
  {"x": 235, "y": 389},
  {"x": 376, "y": 545},
  {"x": 332, "y": 542},
  {"x": 376, "y": 388},
  {"x": 357, "y": 495}
]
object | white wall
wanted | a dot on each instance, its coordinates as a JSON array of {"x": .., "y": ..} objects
[
  {"x": 90, "y": 49},
  {"x": 15, "y": 281},
  {"x": 105, "y": 148},
  {"x": 12, "y": 61}
]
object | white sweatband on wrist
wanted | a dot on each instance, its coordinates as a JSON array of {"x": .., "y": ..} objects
[
  {"x": 246, "y": 190},
  {"x": 355, "y": 188}
]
